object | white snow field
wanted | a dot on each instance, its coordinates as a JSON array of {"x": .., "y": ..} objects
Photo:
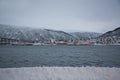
[{"x": 60, "y": 73}]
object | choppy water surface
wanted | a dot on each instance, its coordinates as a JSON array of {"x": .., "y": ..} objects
[{"x": 24, "y": 56}]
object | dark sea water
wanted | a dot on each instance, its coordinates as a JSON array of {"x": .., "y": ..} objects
[{"x": 75, "y": 56}]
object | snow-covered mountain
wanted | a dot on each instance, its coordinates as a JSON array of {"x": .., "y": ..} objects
[
  {"x": 85, "y": 35},
  {"x": 33, "y": 34},
  {"x": 110, "y": 37}
]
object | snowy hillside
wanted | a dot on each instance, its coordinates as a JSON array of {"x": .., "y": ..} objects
[
  {"x": 33, "y": 34},
  {"x": 110, "y": 37},
  {"x": 85, "y": 35}
]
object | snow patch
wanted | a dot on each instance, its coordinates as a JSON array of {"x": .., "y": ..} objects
[{"x": 60, "y": 73}]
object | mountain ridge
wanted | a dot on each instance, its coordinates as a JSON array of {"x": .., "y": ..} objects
[
  {"x": 33, "y": 34},
  {"x": 110, "y": 37}
]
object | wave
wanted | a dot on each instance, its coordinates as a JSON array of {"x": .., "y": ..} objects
[{"x": 60, "y": 73}]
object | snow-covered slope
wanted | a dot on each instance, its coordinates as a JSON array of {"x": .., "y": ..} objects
[
  {"x": 85, "y": 35},
  {"x": 60, "y": 73},
  {"x": 110, "y": 37},
  {"x": 33, "y": 34}
]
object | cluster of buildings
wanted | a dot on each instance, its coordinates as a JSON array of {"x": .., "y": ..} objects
[{"x": 7, "y": 41}]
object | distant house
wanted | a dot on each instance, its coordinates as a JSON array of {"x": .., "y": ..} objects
[{"x": 6, "y": 41}]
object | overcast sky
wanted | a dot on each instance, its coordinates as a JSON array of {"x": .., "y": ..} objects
[{"x": 66, "y": 15}]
